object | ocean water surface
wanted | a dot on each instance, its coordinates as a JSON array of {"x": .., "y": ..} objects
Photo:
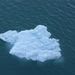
[{"x": 58, "y": 16}]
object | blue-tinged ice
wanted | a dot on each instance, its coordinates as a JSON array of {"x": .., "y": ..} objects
[{"x": 34, "y": 44}]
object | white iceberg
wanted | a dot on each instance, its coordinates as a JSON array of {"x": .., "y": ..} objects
[{"x": 34, "y": 44}]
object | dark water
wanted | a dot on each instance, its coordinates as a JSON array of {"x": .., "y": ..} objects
[{"x": 57, "y": 15}]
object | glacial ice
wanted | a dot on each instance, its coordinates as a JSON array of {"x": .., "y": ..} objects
[{"x": 34, "y": 44}]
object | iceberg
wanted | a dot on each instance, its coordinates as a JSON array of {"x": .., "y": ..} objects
[{"x": 34, "y": 44}]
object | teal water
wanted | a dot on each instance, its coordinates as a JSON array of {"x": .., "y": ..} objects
[{"x": 57, "y": 15}]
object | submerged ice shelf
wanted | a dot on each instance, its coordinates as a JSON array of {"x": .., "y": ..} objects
[{"x": 34, "y": 44}]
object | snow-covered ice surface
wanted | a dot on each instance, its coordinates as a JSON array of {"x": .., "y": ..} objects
[{"x": 34, "y": 44}]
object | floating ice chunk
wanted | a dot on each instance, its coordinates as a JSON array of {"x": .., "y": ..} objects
[
  {"x": 34, "y": 44},
  {"x": 9, "y": 36}
]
